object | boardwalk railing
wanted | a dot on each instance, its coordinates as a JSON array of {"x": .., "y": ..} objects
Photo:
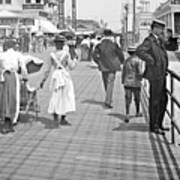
[{"x": 173, "y": 101}]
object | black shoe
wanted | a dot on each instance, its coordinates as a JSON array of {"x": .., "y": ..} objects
[
  {"x": 65, "y": 123},
  {"x": 108, "y": 106},
  {"x": 126, "y": 120},
  {"x": 15, "y": 124},
  {"x": 164, "y": 129},
  {"x": 6, "y": 130},
  {"x": 157, "y": 131}
]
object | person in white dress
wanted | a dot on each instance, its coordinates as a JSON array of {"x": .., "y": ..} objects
[{"x": 62, "y": 100}]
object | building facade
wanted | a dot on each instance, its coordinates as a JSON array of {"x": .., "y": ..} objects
[
  {"x": 22, "y": 14},
  {"x": 144, "y": 20},
  {"x": 169, "y": 12}
]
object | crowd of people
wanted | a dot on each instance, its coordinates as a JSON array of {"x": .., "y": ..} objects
[{"x": 149, "y": 60}]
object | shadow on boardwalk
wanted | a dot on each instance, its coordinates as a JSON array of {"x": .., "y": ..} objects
[
  {"x": 93, "y": 102},
  {"x": 166, "y": 162},
  {"x": 48, "y": 123},
  {"x": 139, "y": 127}
]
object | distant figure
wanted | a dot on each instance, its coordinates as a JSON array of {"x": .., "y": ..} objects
[
  {"x": 109, "y": 57},
  {"x": 171, "y": 43},
  {"x": 131, "y": 79},
  {"x": 34, "y": 43},
  {"x": 63, "y": 99},
  {"x": 45, "y": 42},
  {"x": 71, "y": 46},
  {"x": 85, "y": 48},
  {"x": 153, "y": 52},
  {"x": 8, "y": 42}
]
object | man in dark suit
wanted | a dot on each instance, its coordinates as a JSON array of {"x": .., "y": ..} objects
[
  {"x": 109, "y": 57},
  {"x": 153, "y": 52}
]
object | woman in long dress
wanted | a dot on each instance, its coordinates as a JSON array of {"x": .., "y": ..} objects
[
  {"x": 62, "y": 99},
  {"x": 11, "y": 61}
]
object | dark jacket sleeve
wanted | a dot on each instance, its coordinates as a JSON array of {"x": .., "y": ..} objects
[
  {"x": 119, "y": 53},
  {"x": 144, "y": 52},
  {"x": 123, "y": 72},
  {"x": 96, "y": 54}
]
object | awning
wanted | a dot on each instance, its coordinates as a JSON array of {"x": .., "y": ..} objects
[
  {"x": 44, "y": 26},
  {"x": 8, "y": 14}
]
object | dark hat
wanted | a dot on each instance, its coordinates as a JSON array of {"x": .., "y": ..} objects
[
  {"x": 108, "y": 32},
  {"x": 169, "y": 30},
  {"x": 59, "y": 38},
  {"x": 131, "y": 49},
  {"x": 158, "y": 23}
]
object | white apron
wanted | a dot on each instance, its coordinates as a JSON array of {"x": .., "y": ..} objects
[{"x": 62, "y": 100}]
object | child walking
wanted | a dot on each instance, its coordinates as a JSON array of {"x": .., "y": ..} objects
[{"x": 131, "y": 79}]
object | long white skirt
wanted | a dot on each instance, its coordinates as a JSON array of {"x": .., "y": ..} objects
[{"x": 63, "y": 99}]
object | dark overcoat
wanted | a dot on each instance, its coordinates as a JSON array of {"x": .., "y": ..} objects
[
  {"x": 108, "y": 55},
  {"x": 153, "y": 52}
]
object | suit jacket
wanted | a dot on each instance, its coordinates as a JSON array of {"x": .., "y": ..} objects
[
  {"x": 108, "y": 55},
  {"x": 153, "y": 52}
]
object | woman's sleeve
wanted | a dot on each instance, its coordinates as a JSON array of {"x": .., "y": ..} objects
[
  {"x": 22, "y": 65},
  {"x": 47, "y": 68},
  {"x": 71, "y": 63}
]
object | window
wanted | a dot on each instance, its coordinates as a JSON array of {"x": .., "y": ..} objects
[
  {"x": 8, "y": 1},
  {"x": 175, "y": 1},
  {"x": 38, "y": 1},
  {"x": 28, "y": 1}
]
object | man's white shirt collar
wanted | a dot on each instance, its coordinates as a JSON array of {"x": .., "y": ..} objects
[{"x": 155, "y": 36}]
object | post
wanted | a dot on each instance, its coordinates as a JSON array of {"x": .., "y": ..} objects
[
  {"x": 126, "y": 24},
  {"x": 134, "y": 21},
  {"x": 172, "y": 111},
  {"x": 74, "y": 18},
  {"x": 61, "y": 14}
]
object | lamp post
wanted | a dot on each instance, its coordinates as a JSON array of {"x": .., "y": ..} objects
[
  {"x": 126, "y": 7},
  {"x": 134, "y": 21},
  {"x": 61, "y": 14},
  {"x": 74, "y": 15}
]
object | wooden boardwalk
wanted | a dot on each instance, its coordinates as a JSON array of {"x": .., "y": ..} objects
[{"x": 98, "y": 145}]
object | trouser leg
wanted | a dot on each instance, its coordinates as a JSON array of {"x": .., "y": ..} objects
[
  {"x": 105, "y": 77},
  {"x": 154, "y": 103},
  {"x": 110, "y": 87},
  {"x": 163, "y": 104},
  {"x": 128, "y": 99},
  {"x": 137, "y": 92}
]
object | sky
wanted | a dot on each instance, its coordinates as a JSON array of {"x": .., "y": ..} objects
[{"x": 108, "y": 10}]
